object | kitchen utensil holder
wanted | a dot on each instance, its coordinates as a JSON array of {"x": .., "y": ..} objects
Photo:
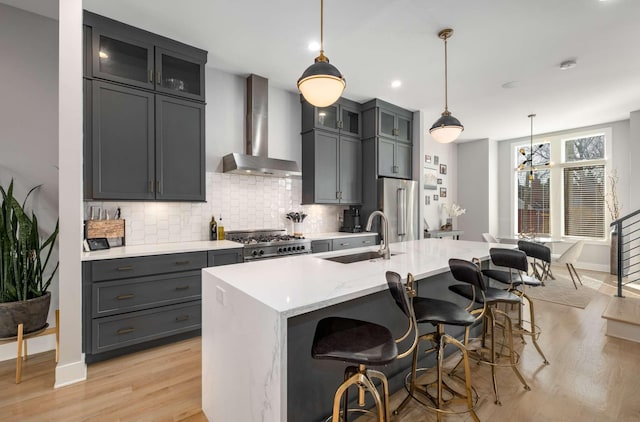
[{"x": 298, "y": 229}]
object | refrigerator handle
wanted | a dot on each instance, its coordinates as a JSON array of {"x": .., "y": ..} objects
[{"x": 402, "y": 211}]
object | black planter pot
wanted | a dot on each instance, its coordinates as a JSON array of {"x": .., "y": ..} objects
[{"x": 31, "y": 313}]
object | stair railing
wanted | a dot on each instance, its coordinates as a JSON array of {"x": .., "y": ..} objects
[{"x": 628, "y": 230}]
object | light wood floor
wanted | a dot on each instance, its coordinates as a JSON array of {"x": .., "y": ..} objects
[{"x": 591, "y": 378}]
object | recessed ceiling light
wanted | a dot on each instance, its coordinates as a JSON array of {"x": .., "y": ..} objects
[
  {"x": 314, "y": 46},
  {"x": 396, "y": 84},
  {"x": 568, "y": 64},
  {"x": 511, "y": 84}
]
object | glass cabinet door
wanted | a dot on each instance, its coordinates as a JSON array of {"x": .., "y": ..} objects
[
  {"x": 404, "y": 129},
  {"x": 179, "y": 74},
  {"x": 122, "y": 60},
  {"x": 327, "y": 117},
  {"x": 349, "y": 121},
  {"x": 387, "y": 124}
]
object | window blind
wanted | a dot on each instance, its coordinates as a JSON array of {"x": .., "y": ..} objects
[
  {"x": 533, "y": 201},
  {"x": 584, "y": 205}
]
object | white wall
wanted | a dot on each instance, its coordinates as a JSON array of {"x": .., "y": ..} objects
[
  {"x": 474, "y": 188},
  {"x": 448, "y": 155},
  {"x": 634, "y": 169},
  {"x": 29, "y": 126},
  {"x": 596, "y": 253},
  {"x": 71, "y": 367}
]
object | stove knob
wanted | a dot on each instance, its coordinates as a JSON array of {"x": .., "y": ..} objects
[
  {"x": 302, "y": 247},
  {"x": 289, "y": 249},
  {"x": 297, "y": 248},
  {"x": 261, "y": 252},
  {"x": 254, "y": 253},
  {"x": 279, "y": 250}
]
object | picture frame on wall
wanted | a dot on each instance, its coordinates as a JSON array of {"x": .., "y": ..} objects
[
  {"x": 427, "y": 159},
  {"x": 443, "y": 169},
  {"x": 430, "y": 177},
  {"x": 436, "y": 159},
  {"x": 427, "y": 200},
  {"x": 436, "y": 197},
  {"x": 439, "y": 181},
  {"x": 443, "y": 192}
]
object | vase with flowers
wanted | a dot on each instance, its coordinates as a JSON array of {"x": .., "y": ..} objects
[{"x": 450, "y": 211}]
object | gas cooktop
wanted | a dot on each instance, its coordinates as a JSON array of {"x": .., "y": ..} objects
[{"x": 261, "y": 244}]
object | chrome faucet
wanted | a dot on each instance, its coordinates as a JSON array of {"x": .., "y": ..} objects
[{"x": 384, "y": 251}]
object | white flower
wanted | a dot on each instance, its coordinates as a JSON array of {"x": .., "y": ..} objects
[{"x": 453, "y": 210}]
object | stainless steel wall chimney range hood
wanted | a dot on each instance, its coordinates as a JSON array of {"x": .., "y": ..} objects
[{"x": 256, "y": 161}]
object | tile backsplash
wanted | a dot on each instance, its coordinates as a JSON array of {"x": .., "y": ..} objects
[{"x": 244, "y": 202}]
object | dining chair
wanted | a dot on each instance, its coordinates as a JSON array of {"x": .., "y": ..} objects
[{"x": 570, "y": 257}]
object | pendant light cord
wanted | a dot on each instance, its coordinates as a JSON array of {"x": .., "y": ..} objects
[
  {"x": 321, "y": 27},
  {"x": 446, "y": 82}
]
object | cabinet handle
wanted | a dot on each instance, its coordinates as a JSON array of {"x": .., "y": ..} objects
[
  {"x": 178, "y": 288},
  {"x": 125, "y": 331},
  {"x": 158, "y": 78},
  {"x": 150, "y": 75},
  {"x": 344, "y": 244},
  {"x": 150, "y": 186},
  {"x": 182, "y": 318},
  {"x": 366, "y": 241},
  {"x": 182, "y": 262},
  {"x": 337, "y": 195},
  {"x": 340, "y": 124},
  {"x": 158, "y": 187},
  {"x": 126, "y": 268},
  {"x": 123, "y": 297}
]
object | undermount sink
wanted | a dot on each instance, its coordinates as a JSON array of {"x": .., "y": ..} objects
[{"x": 356, "y": 257}]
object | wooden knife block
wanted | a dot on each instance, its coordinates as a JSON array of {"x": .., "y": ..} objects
[{"x": 104, "y": 228}]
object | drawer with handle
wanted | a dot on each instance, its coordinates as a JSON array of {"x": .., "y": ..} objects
[
  {"x": 113, "y": 269},
  {"x": 111, "y": 297},
  {"x": 353, "y": 242},
  {"x": 118, "y": 331}
]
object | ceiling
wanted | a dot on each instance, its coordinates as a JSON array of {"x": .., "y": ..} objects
[{"x": 373, "y": 42}]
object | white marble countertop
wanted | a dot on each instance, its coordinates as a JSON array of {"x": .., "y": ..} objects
[
  {"x": 159, "y": 249},
  {"x": 299, "y": 284},
  {"x": 336, "y": 235}
]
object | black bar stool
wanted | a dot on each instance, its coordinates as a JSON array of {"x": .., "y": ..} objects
[
  {"x": 541, "y": 255},
  {"x": 490, "y": 298},
  {"x": 363, "y": 343},
  {"x": 439, "y": 313},
  {"x": 516, "y": 263}
]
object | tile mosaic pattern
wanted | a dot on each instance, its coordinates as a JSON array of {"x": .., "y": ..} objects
[{"x": 244, "y": 202}]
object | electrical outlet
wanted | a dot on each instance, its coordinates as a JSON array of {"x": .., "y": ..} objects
[{"x": 221, "y": 295}]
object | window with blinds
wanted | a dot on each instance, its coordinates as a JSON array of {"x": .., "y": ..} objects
[
  {"x": 584, "y": 206},
  {"x": 533, "y": 201}
]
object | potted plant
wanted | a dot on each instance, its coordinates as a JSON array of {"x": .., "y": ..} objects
[{"x": 23, "y": 288}]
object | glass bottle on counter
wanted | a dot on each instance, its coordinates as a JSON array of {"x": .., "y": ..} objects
[
  {"x": 213, "y": 229},
  {"x": 220, "y": 229}
]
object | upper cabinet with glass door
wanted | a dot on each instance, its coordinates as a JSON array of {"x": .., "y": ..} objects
[
  {"x": 343, "y": 116},
  {"x": 127, "y": 55},
  {"x": 391, "y": 122}
]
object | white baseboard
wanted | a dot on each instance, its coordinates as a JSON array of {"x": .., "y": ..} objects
[{"x": 70, "y": 373}]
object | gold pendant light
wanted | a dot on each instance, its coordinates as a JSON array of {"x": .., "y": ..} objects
[
  {"x": 322, "y": 83},
  {"x": 447, "y": 128}
]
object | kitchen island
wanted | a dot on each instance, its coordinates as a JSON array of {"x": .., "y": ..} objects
[{"x": 258, "y": 319}]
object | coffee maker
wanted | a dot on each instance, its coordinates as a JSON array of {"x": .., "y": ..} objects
[{"x": 351, "y": 220}]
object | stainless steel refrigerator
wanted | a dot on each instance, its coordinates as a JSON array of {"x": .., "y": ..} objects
[{"x": 398, "y": 200}]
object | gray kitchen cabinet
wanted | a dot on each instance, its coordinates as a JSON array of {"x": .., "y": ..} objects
[
  {"x": 225, "y": 257},
  {"x": 343, "y": 117},
  {"x": 323, "y": 245},
  {"x": 380, "y": 118},
  {"x": 332, "y": 168},
  {"x": 354, "y": 242},
  {"x": 134, "y": 303},
  {"x": 144, "y": 99},
  {"x": 343, "y": 242},
  {"x": 141, "y": 144},
  {"x": 179, "y": 150},
  {"x": 387, "y": 145},
  {"x": 121, "y": 53}
]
